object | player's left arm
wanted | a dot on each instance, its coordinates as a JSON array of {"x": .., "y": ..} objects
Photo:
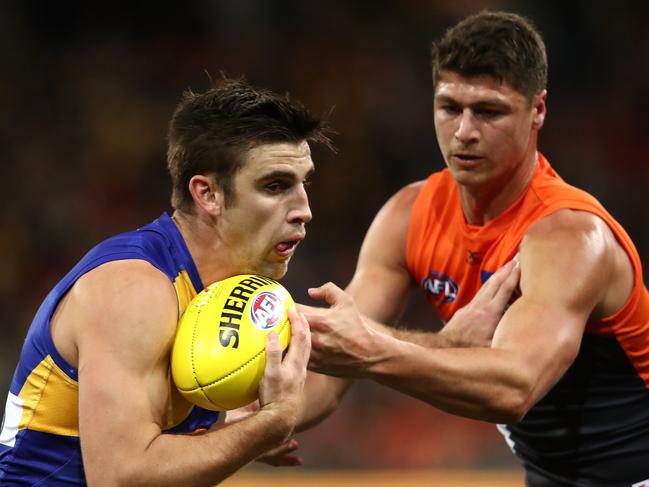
[{"x": 567, "y": 260}]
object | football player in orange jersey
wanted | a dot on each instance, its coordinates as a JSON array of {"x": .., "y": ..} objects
[{"x": 567, "y": 372}]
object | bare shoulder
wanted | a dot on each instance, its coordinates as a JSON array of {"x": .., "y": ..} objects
[
  {"x": 582, "y": 245},
  {"x": 129, "y": 304},
  {"x": 381, "y": 280},
  {"x": 124, "y": 277},
  {"x": 569, "y": 222},
  {"x": 393, "y": 218},
  {"x": 390, "y": 226},
  {"x": 570, "y": 236},
  {"x": 574, "y": 257},
  {"x": 403, "y": 200}
]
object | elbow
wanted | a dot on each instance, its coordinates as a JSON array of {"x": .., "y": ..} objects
[
  {"x": 512, "y": 404},
  {"x": 520, "y": 392},
  {"x": 124, "y": 475},
  {"x": 517, "y": 400},
  {"x": 512, "y": 409}
]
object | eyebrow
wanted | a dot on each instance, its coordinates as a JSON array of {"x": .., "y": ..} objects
[
  {"x": 280, "y": 173},
  {"x": 486, "y": 103}
]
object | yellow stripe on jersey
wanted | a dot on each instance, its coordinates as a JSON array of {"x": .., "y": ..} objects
[
  {"x": 179, "y": 408},
  {"x": 184, "y": 289},
  {"x": 50, "y": 398},
  {"x": 50, "y": 401}
]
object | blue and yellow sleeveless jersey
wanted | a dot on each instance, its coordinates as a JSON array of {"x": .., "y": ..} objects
[{"x": 39, "y": 442}]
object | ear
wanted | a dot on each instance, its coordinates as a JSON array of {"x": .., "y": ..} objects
[
  {"x": 539, "y": 109},
  {"x": 207, "y": 195}
]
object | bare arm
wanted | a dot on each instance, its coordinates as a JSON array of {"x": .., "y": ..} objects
[
  {"x": 381, "y": 281},
  {"x": 380, "y": 288},
  {"x": 380, "y": 285},
  {"x": 124, "y": 315},
  {"x": 566, "y": 263}
]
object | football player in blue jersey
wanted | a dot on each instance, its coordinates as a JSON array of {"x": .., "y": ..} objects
[{"x": 91, "y": 399}]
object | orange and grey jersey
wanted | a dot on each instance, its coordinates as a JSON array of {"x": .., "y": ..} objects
[
  {"x": 592, "y": 428},
  {"x": 39, "y": 442}
]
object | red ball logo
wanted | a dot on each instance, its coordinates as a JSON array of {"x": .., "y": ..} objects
[{"x": 266, "y": 310}]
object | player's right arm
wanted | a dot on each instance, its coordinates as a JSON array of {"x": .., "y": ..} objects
[
  {"x": 122, "y": 317},
  {"x": 380, "y": 288}
]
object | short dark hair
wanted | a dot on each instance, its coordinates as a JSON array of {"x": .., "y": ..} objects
[
  {"x": 211, "y": 132},
  {"x": 500, "y": 44}
]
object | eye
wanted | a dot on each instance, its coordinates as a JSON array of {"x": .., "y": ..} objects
[
  {"x": 487, "y": 114},
  {"x": 275, "y": 187},
  {"x": 451, "y": 109},
  {"x": 306, "y": 182}
]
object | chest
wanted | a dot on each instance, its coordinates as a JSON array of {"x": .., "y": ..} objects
[{"x": 452, "y": 266}]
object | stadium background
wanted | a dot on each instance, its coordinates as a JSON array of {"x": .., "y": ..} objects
[{"x": 87, "y": 90}]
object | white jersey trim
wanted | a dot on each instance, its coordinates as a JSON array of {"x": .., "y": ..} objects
[
  {"x": 507, "y": 435},
  {"x": 11, "y": 420}
]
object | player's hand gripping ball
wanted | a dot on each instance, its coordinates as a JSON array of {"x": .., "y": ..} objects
[{"x": 219, "y": 357}]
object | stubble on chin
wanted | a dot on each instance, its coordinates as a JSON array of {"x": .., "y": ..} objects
[{"x": 276, "y": 270}]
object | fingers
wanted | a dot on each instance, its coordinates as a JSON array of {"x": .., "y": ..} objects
[
  {"x": 493, "y": 284},
  {"x": 273, "y": 354},
  {"x": 298, "y": 352},
  {"x": 509, "y": 284},
  {"x": 281, "y": 461},
  {"x": 499, "y": 287},
  {"x": 329, "y": 293},
  {"x": 303, "y": 308},
  {"x": 307, "y": 310},
  {"x": 282, "y": 455}
]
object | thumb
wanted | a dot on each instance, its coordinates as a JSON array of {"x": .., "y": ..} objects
[{"x": 329, "y": 293}]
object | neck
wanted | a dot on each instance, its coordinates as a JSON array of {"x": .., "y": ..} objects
[
  {"x": 199, "y": 236},
  {"x": 483, "y": 203}
]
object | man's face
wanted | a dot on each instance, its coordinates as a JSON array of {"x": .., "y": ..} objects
[
  {"x": 485, "y": 128},
  {"x": 265, "y": 221}
]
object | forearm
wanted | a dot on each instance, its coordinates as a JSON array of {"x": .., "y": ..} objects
[
  {"x": 208, "y": 459},
  {"x": 322, "y": 394},
  {"x": 429, "y": 339},
  {"x": 477, "y": 383}
]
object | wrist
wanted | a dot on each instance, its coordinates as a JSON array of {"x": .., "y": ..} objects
[
  {"x": 278, "y": 419},
  {"x": 448, "y": 339},
  {"x": 381, "y": 328},
  {"x": 383, "y": 349}
]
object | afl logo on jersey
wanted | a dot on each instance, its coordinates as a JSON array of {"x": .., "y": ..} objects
[
  {"x": 266, "y": 310},
  {"x": 442, "y": 287}
]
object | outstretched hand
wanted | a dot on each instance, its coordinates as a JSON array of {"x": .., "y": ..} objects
[
  {"x": 340, "y": 339},
  {"x": 474, "y": 324}
]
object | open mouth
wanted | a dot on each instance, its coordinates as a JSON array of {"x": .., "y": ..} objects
[{"x": 287, "y": 247}]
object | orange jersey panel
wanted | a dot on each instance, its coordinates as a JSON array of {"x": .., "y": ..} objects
[{"x": 451, "y": 259}]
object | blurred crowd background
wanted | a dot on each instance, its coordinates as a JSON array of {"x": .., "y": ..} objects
[{"x": 87, "y": 90}]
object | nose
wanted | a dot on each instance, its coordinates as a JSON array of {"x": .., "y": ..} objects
[
  {"x": 300, "y": 211},
  {"x": 467, "y": 131}
]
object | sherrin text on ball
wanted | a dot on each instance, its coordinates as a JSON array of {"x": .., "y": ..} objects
[{"x": 218, "y": 357}]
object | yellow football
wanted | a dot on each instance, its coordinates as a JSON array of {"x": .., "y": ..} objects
[{"x": 218, "y": 357}]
